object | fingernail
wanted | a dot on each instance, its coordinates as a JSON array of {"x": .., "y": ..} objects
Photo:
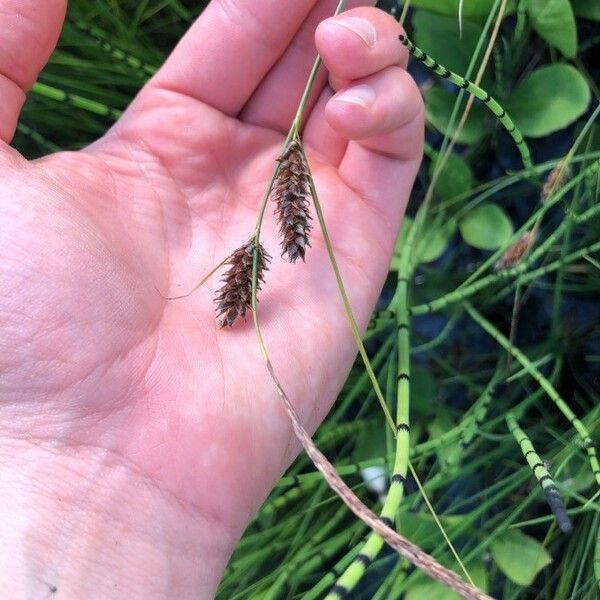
[
  {"x": 361, "y": 27},
  {"x": 363, "y": 95}
]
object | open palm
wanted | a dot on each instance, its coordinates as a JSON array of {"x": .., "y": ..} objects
[{"x": 131, "y": 418}]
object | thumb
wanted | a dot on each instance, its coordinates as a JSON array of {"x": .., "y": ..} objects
[{"x": 30, "y": 30}]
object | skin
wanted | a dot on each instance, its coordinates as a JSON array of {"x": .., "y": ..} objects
[{"x": 137, "y": 438}]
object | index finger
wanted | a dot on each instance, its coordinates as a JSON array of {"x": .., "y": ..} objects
[{"x": 229, "y": 49}]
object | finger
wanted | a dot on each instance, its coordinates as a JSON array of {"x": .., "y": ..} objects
[
  {"x": 30, "y": 30},
  {"x": 359, "y": 43},
  {"x": 274, "y": 102},
  {"x": 229, "y": 49},
  {"x": 383, "y": 115},
  {"x": 320, "y": 136}
]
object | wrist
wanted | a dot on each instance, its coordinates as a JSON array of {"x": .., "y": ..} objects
[{"x": 79, "y": 523}]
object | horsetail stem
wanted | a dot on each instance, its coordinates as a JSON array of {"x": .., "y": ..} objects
[
  {"x": 597, "y": 558},
  {"x": 121, "y": 55},
  {"x": 551, "y": 392},
  {"x": 374, "y": 543},
  {"x": 541, "y": 473},
  {"x": 463, "y": 294},
  {"x": 58, "y": 95},
  {"x": 490, "y": 102}
]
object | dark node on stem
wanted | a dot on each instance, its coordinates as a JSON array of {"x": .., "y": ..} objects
[
  {"x": 235, "y": 296},
  {"x": 363, "y": 559},
  {"x": 291, "y": 192},
  {"x": 339, "y": 591}
]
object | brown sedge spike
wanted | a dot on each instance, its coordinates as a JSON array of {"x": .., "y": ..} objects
[
  {"x": 291, "y": 192},
  {"x": 235, "y": 296},
  {"x": 556, "y": 179},
  {"x": 516, "y": 253}
]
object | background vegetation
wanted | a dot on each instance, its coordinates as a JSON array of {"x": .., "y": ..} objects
[{"x": 544, "y": 69}]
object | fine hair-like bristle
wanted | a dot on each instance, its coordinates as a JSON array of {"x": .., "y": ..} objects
[
  {"x": 515, "y": 254},
  {"x": 291, "y": 192},
  {"x": 235, "y": 296}
]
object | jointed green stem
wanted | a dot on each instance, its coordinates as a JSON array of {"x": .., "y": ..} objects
[
  {"x": 53, "y": 93},
  {"x": 103, "y": 41},
  {"x": 491, "y": 103},
  {"x": 541, "y": 473},
  {"x": 373, "y": 545},
  {"x": 462, "y": 294},
  {"x": 560, "y": 403},
  {"x": 597, "y": 558}
]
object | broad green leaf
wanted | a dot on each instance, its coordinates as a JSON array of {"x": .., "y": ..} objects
[
  {"x": 588, "y": 9},
  {"x": 434, "y": 241},
  {"x": 455, "y": 179},
  {"x": 438, "y": 109},
  {"x": 519, "y": 556},
  {"x": 438, "y": 36},
  {"x": 430, "y": 245},
  {"x": 432, "y": 590},
  {"x": 551, "y": 98},
  {"x": 421, "y": 527},
  {"x": 487, "y": 226},
  {"x": 554, "y": 22},
  {"x": 475, "y": 10}
]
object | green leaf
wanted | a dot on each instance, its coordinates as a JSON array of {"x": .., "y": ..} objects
[
  {"x": 430, "y": 246},
  {"x": 439, "y": 103},
  {"x": 554, "y": 22},
  {"x": 519, "y": 556},
  {"x": 455, "y": 179},
  {"x": 487, "y": 226},
  {"x": 421, "y": 527},
  {"x": 434, "y": 242},
  {"x": 432, "y": 590},
  {"x": 439, "y": 37},
  {"x": 474, "y": 10},
  {"x": 588, "y": 9},
  {"x": 551, "y": 98}
]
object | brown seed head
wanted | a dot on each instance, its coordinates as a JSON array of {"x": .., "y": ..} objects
[
  {"x": 556, "y": 179},
  {"x": 291, "y": 192},
  {"x": 515, "y": 254},
  {"x": 235, "y": 296}
]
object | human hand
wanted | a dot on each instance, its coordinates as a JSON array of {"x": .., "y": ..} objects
[{"x": 137, "y": 437}]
